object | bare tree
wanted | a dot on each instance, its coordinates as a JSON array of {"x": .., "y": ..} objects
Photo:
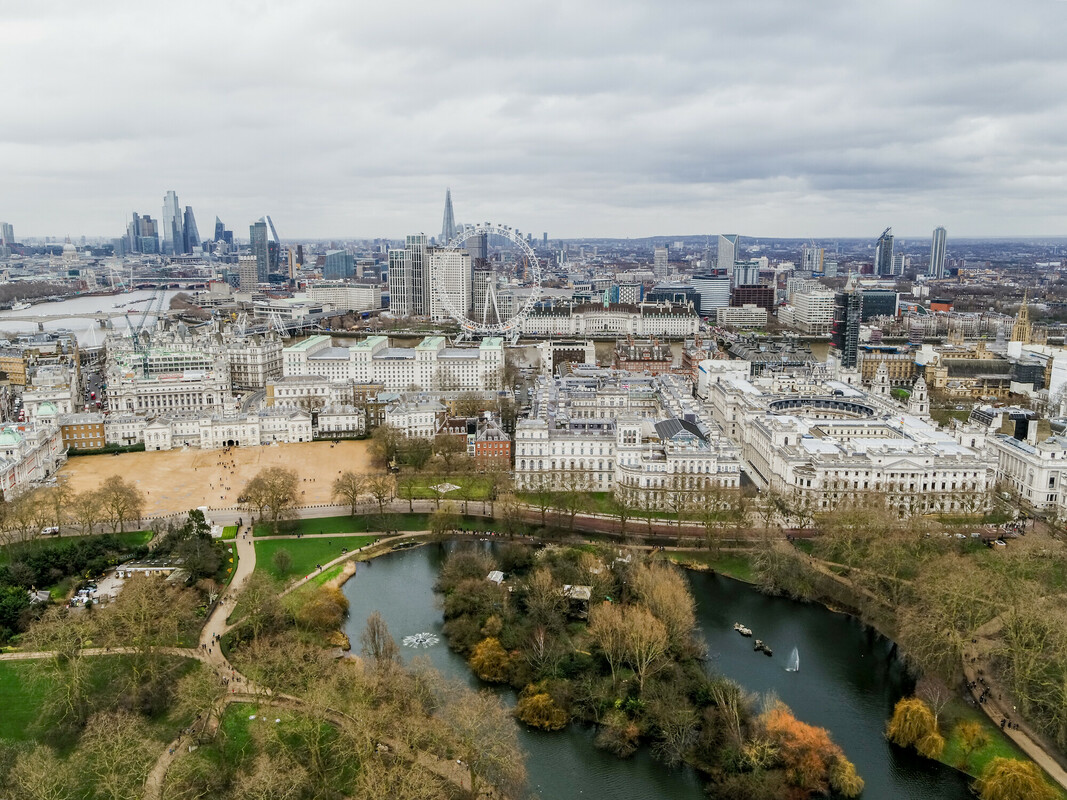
[
  {"x": 607, "y": 628},
  {"x": 350, "y": 486},
  {"x": 86, "y": 508},
  {"x": 486, "y": 739},
  {"x": 382, "y": 488},
  {"x": 646, "y": 642},
  {"x": 117, "y": 750},
  {"x": 378, "y": 644},
  {"x": 272, "y": 489},
  {"x": 121, "y": 502}
]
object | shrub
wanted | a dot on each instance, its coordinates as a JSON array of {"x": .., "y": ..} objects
[
  {"x": 618, "y": 734},
  {"x": 538, "y": 710},
  {"x": 914, "y": 725},
  {"x": 490, "y": 661}
]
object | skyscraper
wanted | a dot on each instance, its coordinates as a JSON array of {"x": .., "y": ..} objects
[
  {"x": 812, "y": 259},
  {"x": 410, "y": 283},
  {"x": 448, "y": 223},
  {"x": 173, "y": 239},
  {"x": 190, "y": 235},
  {"x": 338, "y": 265},
  {"x": 247, "y": 273},
  {"x": 257, "y": 235},
  {"x": 450, "y": 272},
  {"x": 883, "y": 253},
  {"x": 727, "y": 252},
  {"x": 661, "y": 263},
  {"x": 7, "y": 234},
  {"x": 937, "y": 253},
  {"x": 845, "y": 333},
  {"x": 142, "y": 235},
  {"x": 222, "y": 234}
]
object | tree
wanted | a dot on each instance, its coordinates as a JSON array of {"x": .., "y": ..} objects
[
  {"x": 542, "y": 491},
  {"x": 273, "y": 489},
  {"x": 385, "y": 444},
  {"x": 538, "y": 710},
  {"x": 120, "y": 502},
  {"x": 449, "y": 449},
  {"x": 497, "y": 482},
  {"x": 486, "y": 739},
  {"x": 469, "y": 404},
  {"x": 39, "y": 774},
  {"x": 377, "y": 643},
  {"x": 23, "y": 514},
  {"x": 545, "y": 603},
  {"x": 571, "y": 497},
  {"x": 808, "y": 754},
  {"x": 972, "y": 736},
  {"x": 607, "y": 629},
  {"x": 622, "y": 504},
  {"x": 282, "y": 560},
  {"x": 913, "y": 725},
  {"x": 1011, "y": 779},
  {"x": 679, "y": 500},
  {"x": 645, "y": 642},
  {"x": 349, "y": 486},
  {"x": 382, "y": 488},
  {"x": 663, "y": 590},
  {"x": 67, "y": 672},
  {"x": 935, "y": 693},
  {"x": 406, "y": 486},
  {"x": 258, "y": 606},
  {"x": 148, "y": 614},
  {"x": 490, "y": 661},
  {"x": 117, "y": 750},
  {"x": 444, "y": 521},
  {"x": 57, "y": 499}
]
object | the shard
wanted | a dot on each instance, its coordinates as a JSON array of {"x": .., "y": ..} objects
[{"x": 448, "y": 224}]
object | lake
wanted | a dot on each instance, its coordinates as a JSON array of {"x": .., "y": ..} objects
[{"x": 849, "y": 679}]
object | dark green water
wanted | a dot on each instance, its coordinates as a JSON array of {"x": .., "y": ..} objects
[{"x": 849, "y": 680}]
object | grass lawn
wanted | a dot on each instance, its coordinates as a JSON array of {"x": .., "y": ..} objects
[
  {"x": 229, "y": 532},
  {"x": 999, "y": 745},
  {"x": 20, "y": 697},
  {"x": 734, "y": 564},
  {"x": 417, "y": 487},
  {"x": 368, "y": 523},
  {"x": 306, "y": 553}
]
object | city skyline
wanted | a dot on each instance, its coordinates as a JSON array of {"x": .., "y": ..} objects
[{"x": 797, "y": 123}]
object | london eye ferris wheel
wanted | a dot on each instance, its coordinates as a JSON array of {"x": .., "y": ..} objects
[{"x": 486, "y": 315}]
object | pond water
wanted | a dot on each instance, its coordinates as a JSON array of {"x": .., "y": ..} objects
[{"x": 848, "y": 681}]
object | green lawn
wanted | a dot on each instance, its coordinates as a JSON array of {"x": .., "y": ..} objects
[
  {"x": 733, "y": 564},
  {"x": 229, "y": 532},
  {"x": 20, "y": 698},
  {"x": 999, "y": 746},
  {"x": 367, "y": 523},
  {"x": 473, "y": 487},
  {"x": 306, "y": 553}
]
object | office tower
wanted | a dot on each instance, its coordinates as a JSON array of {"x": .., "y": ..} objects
[
  {"x": 714, "y": 291},
  {"x": 830, "y": 268},
  {"x": 937, "y": 253},
  {"x": 173, "y": 240},
  {"x": 247, "y": 272},
  {"x": 478, "y": 247},
  {"x": 812, "y": 259},
  {"x": 338, "y": 266},
  {"x": 7, "y": 234},
  {"x": 450, "y": 272},
  {"x": 143, "y": 235},
  {"x": 727, "y": 252},
  {"x": 290, "y": 258},
  {"x": 409, "y": 283},
  {"x": 448, "y": 223},
  {"x": 300, "y": 255},
  {"x": 544, "y": 239},
  {"x": 883, "y": 253},
  {"x": 845, "y": 333},
  {"x": 220, "y": 230},
  {"x": 660, "y": 264},
  {"x": 746, "y": 273},
  {"x": 189, "y": 232},
  {"x": 900, "y": 263},
  {"x": 257, "y": 235}
]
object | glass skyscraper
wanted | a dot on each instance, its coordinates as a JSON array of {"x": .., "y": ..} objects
[
  {"x": 173, "y": 238},
  {"x": 937, "y": 253}
]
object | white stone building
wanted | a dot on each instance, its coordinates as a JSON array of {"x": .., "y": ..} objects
[
  {"x": 663, "y": 320},
  {"x": 342, "y": 420},
  {"x": 28, "y": 453},
  {"x": 430, "y": 365},
  {"x": 417, "y": 417},
  {"x": 346, "y": 296},
  {"x": 746, "y": 316}
]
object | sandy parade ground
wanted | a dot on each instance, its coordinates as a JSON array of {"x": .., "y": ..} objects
[{"x": 178, "y": 480}]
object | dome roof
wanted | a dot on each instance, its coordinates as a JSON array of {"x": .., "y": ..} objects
[
  {"x": 46, "y": 408},
  {"x": 9, "y": 437}
]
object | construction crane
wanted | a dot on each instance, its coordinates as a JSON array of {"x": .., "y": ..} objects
[{"x": 152, "y": 310}]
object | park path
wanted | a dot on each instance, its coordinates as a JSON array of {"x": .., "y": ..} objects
[{"x": 978, "y": 675}]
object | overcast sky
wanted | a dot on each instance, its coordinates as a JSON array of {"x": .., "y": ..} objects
[{"x": 609, "y": 118}]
